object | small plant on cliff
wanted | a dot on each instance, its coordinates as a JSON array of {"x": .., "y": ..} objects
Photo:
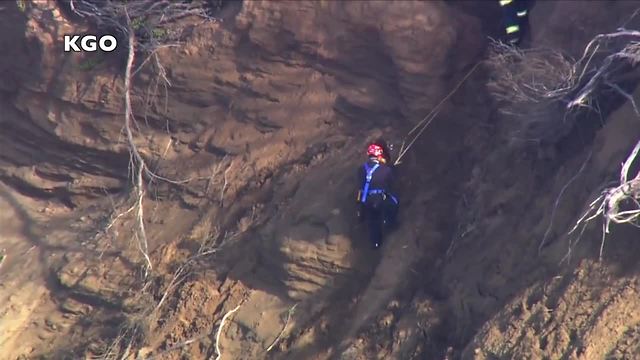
[
  {"x": 142, "y": 25},
  {"x": 22, "y": 5},
  {"x": 91, "y": 62},
  {"x": 154, "y": 23}
]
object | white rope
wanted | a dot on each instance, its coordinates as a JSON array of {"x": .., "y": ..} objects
[{"x": 424, "y": 123}]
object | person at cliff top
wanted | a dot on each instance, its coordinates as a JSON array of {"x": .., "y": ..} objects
[
  {"x": 515, "y": 20},
  {"x": 376, "y": 201}
]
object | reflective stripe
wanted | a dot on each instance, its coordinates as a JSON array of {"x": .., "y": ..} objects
[
  {"x": 522, "y": 13},
  {"x": 512, "y": 29},
  {"x": 505, "y": 2}
]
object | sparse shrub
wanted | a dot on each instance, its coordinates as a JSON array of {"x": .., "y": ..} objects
[
  {"x": 529, "y": 87},
  {"x": 140, "y": 26},
  {"x": 543, "y": 91},
  {"x": 91, "y": 63},
  {"x": 159, "y": 33},
  {"x": 148, "y": 19}
]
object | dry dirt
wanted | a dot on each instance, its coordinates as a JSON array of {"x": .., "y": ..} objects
[{"x": 266, "y": 116}]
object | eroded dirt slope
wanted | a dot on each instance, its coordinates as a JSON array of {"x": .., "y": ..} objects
[{"x": 266, "y": 116}]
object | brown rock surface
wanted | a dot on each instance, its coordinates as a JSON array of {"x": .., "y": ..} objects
[{"x": 266, "y": 115}]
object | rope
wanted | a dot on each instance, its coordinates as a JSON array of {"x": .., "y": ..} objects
[{"x": 424, "y": 123}]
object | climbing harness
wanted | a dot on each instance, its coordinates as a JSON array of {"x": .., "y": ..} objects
[
  {"x": 384, "y": 195},
  {"x": 365, "y": 190}
]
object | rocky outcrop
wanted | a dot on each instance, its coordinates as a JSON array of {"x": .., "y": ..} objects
[
  {"x": 264, "y": 112},
  {"x": 532, "y": 302}
]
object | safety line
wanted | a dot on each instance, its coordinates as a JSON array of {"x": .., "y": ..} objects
[{"x": 424, "y": 123}]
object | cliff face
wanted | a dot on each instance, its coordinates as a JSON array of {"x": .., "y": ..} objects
[
  {"x": 561, "y": 302},
  {"x": 264, "y": 114}
]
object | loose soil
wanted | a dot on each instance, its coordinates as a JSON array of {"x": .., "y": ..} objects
[{"x": 266, "y": 117}]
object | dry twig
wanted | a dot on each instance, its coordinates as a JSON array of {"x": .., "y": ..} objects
[
  {"x": 222, "y": 323},
  {"x": 541, "y": 88},
  {"x": 140, "y": 21},
  {"x": 557, "y": 202},
  {"x": 289, "y": 313}
]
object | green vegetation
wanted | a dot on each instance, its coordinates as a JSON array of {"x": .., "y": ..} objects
[
  {"x": 91, "y": 62},
  {"x": 142, "y": 28},
  {"x": 137, "y": 23},
  {"x": 159, "y": 33},
  {"x": 22, "y": 5}
]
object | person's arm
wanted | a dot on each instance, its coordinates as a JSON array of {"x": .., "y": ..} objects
[
  {"x": 358, "y": 179},
  {"x": 360, "y": 176}
]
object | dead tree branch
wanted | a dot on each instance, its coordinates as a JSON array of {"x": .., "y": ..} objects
[
  {"x": 609, "y": 205},
  {"x": 542, "y": 91},
  {"x": 277, "y": 339},
  {"x": 147, "y": 26},
  {"x": 629, "y": 54},
  {"x": 557, "y": 202},
  {"x": 139, "y": 165},
  {"x": 529, "y": 86},
  {"x": 222, "y": 323},
  {"x": 611, "y": 201}
]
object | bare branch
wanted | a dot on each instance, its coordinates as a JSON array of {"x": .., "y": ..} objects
[
  {"x": 608, "y": 204},
  {"x": 289, "y": 313},
  {"x": 222, "y": 323},
  {"x": 143, "y": 244},
  {"x": 120, "y": 15},
  {"x": 541, "y": 89},
  {"x": 557, "y": 202},
  {"x": 113, "y": 221},
  {"x": 137, "y": 161},
  {"x": 529, "y": 86},
  {"x": 224, "y": 184}
]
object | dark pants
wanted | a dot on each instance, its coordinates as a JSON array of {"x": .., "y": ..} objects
[
  {"x": 515, "y": 19},
  {"x": 381, "y": 213}
]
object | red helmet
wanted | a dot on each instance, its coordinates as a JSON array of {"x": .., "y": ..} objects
[{"x": 375, "y": 150}]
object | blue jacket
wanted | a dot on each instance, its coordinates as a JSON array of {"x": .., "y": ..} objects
[{"x": 382, "y": 178}]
